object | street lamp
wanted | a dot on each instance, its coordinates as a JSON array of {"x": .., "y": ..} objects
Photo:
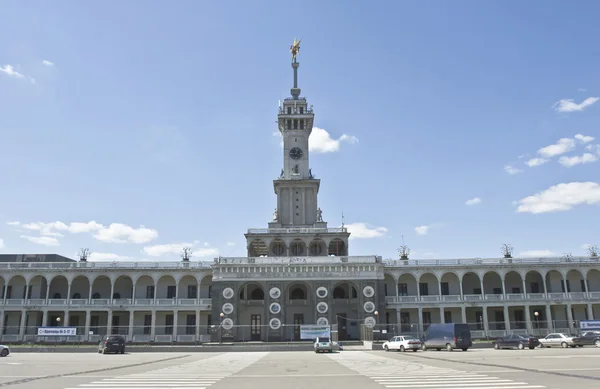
[
  {"x": 376, "y": 313},
  {"x": 537, "y": 321},
  {"x": 57, "y": 321},
  {"x": 221, "y": 316}
]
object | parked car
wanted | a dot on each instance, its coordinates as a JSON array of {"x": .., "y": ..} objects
[
  {"x": 448, "y": 336},
  {"x": 589, "y": 338},
  {"x": 402, "y": 343},
  {"x": 323, "y": 344},
  {"x": 517, "y": 341},
  {"x": 4, "y": 350},
  {"x": 559, "y": 339},
  {"x": 112, "y": 344}
]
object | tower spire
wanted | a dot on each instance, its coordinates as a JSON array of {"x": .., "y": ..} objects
[{"x": 295, "y": 49}]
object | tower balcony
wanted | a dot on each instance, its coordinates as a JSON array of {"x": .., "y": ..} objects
[{"x": 297, "y": 230}]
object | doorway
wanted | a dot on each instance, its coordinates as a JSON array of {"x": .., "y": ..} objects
[
  {"x": 255, "y": 325},
  {"x": 298, "y": 321},
  {"x": 342, "y": 326}
]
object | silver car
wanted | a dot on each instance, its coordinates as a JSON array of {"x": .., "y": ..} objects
[{"x": 4, "y": 350}]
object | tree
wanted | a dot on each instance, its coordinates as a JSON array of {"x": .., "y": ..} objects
[
  {"x": 84, "y": 254},
  {"x": 186, "y": 254},
  {"x": 404, "y": 252},
  {"x": 507, "y": 250},
  {"x": 593, "y": 251}
]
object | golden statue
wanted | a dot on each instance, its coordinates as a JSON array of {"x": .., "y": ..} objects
[{"x": 295, "y": 48}]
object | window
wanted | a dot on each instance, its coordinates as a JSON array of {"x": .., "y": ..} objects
[
  {"x": 190, "y": 328},
  {"x": 147, "y": 324},
  {"x": 171, "y": 291},
  {"x": 295, "y": 124},
  {"x": 535, "y": 287},
  {"x": 403, "y": 289},
  {"x": 447, "y": 317},
  {"x": 423, "y": 288},
  {"x": 426, "y": 318},
  {"x": 192, "y": 292},
  {"x": 150, "y": 291},
  {"x": 169, "y": 325},
  {"x": 289, "y": 110},
  {"x": 209, "y": 291},
  {"x": 445, "y": 289},
  {"x": 301, "y": 110},
  {"x": 302, "y": 124},
  {"x": 516, "y": 290},
  {"x": 289, "y": 124},
  {"x": 476, "y": 290},
  {"x": 497, "y": 290}
]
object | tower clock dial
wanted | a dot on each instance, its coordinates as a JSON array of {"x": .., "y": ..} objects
[{"x": 296, "y": 153}]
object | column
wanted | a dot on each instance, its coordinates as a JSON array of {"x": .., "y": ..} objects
[
  {"x": 2, "y": 323},
  {"x": 550, "y": 324},
  {"x": 69, "y": 293},
  {"x": 463, "y": 313},
  {"x": 198, "y": 324},
  {"x": 23, "y": 321},
  {"x": 442, "y": 315},
  {"x": 570, "y": 317},
  {"x": 420, "y": 325},
  {"x": 175, "y": 322},
  {"x": 88, "y": 320},
  {"x": 44, "y": 318},
  {"x": 47, "y": 291},
  {"x": 524, "y": 287},
  {"x": 486, "y": 327},
  {"x": 506, "y": 319},
  {"x": 131, "y": 318},
  {"x": 398, "y": 320},
  {"x": 590, "y": 312},
  {"x": 397, "y": 291},
  {"x": 66, "y": 318},
  {"x": 503, "y": 288},
  {"x": 109, "y": 322},
  {"x": 133, "y": 293},
  {"x": 545, "y": 286},
  {"x": 90, "y": 295},
  {"x": 461, "y": 291},
  {"x": 528, "y": 319},
  {"x": 153, "y": 328}
]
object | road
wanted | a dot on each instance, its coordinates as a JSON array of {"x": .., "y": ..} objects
[{"x": 475, "y": 369}]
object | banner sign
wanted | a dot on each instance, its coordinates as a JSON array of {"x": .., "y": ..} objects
[
  {"x": 591, "y": 325},
  {"x": 57, "y": 331},
  {"x": 314, "y": 331}
]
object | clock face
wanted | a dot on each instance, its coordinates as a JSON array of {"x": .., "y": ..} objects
[{"x": 296, "y": 153}]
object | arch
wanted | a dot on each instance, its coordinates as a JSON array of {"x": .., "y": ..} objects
[
  {"x": 317, "y": 248},
  {"x": 471, "y": 283},
  {"x": 101, "y": 287},
  {"x": 123, "y": 287},
  {"x": 80, "y": 286},
  {"x": 59, "y": 287},
  {"x": 297, "y": 247},
  {"x": 492, "y": 283},
  {"x": 277, "y": 248},
  {"x": 2, "y": 285},
  {"x": 345, "y": 290},
  {"x": 593, "y": 280},
  {"x": 145, "y": 287},
  {"x": 206, "y": 286},
  {"x": 252, "y": 291},
  {"x": 407, "y": 285},
  {"x": 188, "y": 287},
  {"x": 555, "y": 282},
  {"x": 336, "y": 247},
  {"x": 389, "y": 284},
  {"x": 15, "y": 287},
  {"x": 451, "y": 279},
  {"x": 513, "y": 282},
  {"x": 257, "y": 248},
  {"x": 38, "y": 286},
  {"x": 166, "y": 287},
  {"x": 575, "y": 281},
  {"x": 298, "y": 291},
  {"x": 429, "y": 284}
]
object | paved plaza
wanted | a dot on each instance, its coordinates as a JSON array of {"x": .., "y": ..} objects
[{"x": 475, "y": 369}]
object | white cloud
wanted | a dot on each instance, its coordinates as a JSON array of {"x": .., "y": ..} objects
[
  {"x": 321, "y": 142},
  {"x": 593, "y": 148},
  {"x": 473, "y": 201},
  {"x": 569, "y": 105},
  {"x": 230, "y": 244},
  {"x": 364, "y": 231},
  {"x": 1, "y": 243},
  {"x": 537, "y": 254},
  {"x": 13, "y": 223},
  {"x": 536, "y": 162},
  {"x": 578, "y": 159},
  {"x": 107, "y": 257},
  {"x": 562, "y": 146},
  {"x": 42, "y": 240},
  {"x": 581, "y": 89},
  {"x": 10, "y": 71},
  {"x": 561, "y": 197},
  {"x": 176, "y": 248},
  {"x": 422, "y": 230},
  {"x": 114, "y": 233},
  {"x": 48, "y": 63},
  {"x": 586, "y": 246},
  {"x": 512, "y": 170},
  {"x": 584, "y": 138}
]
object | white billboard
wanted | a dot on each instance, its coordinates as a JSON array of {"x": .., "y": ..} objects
[{"x": 57, "y": 331}]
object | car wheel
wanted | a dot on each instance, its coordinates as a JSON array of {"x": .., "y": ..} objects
[
  {"x": 520, "y": 346},
  {"x": 438, "y": 349},
  {"x": 532, "y": 347},
  {"x": 497, "y": 346},
  {"x": 465, "y": 349},
  {"x": 597, "y": 342},
  {"x": 3, "y": 353},
  {"x": 386, "y": 348},
  {"x": 564, "y": 345},
  {"x": 449, "y": 347},
  {"x": 402, "y": 349},
  {"x": 414, "y": 350}
]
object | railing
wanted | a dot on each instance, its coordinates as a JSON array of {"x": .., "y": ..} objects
[
  {"x": 308, "y": 230},
  {"x": 490, "y": 261},
  {"x": 106, "y": 265},
  {"x": 494, "y": 297},
  {"x": 104, "y": 302},
  {"x": 372, "y": 259}
]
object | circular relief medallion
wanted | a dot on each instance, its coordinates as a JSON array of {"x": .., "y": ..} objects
[
  {"x": 227, "y": 324},
  {"x": 322, "y": 307},
  {"x": 275, "y": 323},
  {"x": 322, "y": 321},
  {"x": 227, "y": 308},
  {"x": 275, "y": 293},
  {"x": 275, "y": 308},
  {"x": 370, "y": 322},
  {"x": 368, "y": 291},
  {"x": 369, "y": 307},
  {"x": 228, "y": 293},
  {"x": 322, "y": 292}
]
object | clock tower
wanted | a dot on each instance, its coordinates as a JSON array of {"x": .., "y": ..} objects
[{"x": 297, "y": 228}]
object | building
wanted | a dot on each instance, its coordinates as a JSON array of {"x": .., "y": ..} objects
[{"x": 298, "y": 271}]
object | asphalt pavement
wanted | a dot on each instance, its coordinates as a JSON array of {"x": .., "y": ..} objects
[{"x": 474, "y": 369}]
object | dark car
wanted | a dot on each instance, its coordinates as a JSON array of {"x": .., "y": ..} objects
[
  {"x": 517, "y": 341},
  {"x": 448, "y": 336},
  {"x": 589, "y": 338},
  {"x": 112, "y": 344}
]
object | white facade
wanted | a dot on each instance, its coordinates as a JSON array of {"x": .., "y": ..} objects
[{"x": 297, "y": 272}]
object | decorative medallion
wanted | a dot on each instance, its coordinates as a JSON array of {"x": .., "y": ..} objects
[
  {"x": 227, "y": 324},
  {"x": 274, "y": 323},
  {"x": 368, "y": 291},
  {"x": 369, "y": 307},
  {"x": 370, "y": 322},
  {"x": 275, "y": 308},
  {"x": 275, "y": 293},
  {"x": 322, "y": 307},
  {"x": 322, "y": 321},
  {"x": 322, "y": 292},
  {"x": 228, "y": 293},
  {"x": 227, "y": 308}
]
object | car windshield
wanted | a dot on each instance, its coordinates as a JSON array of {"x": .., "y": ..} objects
[
  {"x": 323, "y": 340},
  {"x": 409, "y": 337}
]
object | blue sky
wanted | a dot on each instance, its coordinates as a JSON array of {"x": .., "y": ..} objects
[{"x": 150, "y": 124}]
